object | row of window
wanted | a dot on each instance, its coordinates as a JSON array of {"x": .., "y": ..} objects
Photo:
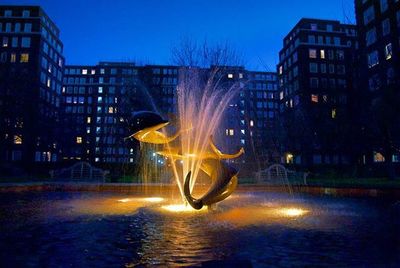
[
  {"x": 371, "y": 36},
  {"x": 331, "y": 54},
  {"x": 16, "y": 27},
  {"x": 52, "y": 53},
  {"x": 375, "y": 82},
  {"x": 51, "y": 69},
  {"x": 327, "y": 83},
  {"x": 313, "y": 39},
  {"x": 24, "y": 42},
  {"x": 369, "y": 13},
  {"x": 9, "y": 13},
  {"x": 90, "y": 71},
  {"x": 165, "y": 71},
  {"x": 373, "y": 57},
  {"x": 104, "y": 80},
  {"x": 14, "y": 57},
  {"x": 82, "y": 99},
  {"x": 89, "y": 90},
  {"x": 54, "y": 42},
  {"x": 340, "y": 69}
]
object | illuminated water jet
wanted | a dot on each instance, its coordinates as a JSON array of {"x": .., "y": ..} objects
[{"x": 201, "y": 104}]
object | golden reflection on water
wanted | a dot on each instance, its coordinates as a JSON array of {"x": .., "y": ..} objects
[
  {"x": 110, "y": 205},
  {"x": 182, "y": 208},
  {"x": 263, "y": 215},
  {"x": 176, "y": 240}
]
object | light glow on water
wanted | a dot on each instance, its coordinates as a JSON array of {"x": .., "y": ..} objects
[
  {"x": 145, "y": 199},
  {"x": 292, "y": 212},
  {"x": 179, "y": 208},
  {"x": 154, "y": 199}
]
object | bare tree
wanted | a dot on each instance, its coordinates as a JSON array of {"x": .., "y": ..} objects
[{"x": 191, "y": 53}]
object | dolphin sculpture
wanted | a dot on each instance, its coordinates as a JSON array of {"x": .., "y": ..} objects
[
  {"x": 224, "y": 181},
  {"x": 145, "y": 127}
]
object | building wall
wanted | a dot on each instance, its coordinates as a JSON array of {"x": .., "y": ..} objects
[
  {"x": 31, "y": 68},
  {"x": 378, "y": 25},
  {"x": 315, "y": 87}
]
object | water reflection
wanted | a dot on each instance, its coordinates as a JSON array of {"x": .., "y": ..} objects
[{"x": 175, "y": 241}]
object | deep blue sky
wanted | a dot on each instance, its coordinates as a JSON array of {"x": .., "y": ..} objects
[{"x": 145, "y": 30}]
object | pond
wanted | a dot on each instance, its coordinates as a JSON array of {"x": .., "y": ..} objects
[{"x": 264, "y": 229}]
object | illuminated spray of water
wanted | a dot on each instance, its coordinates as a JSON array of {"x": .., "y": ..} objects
[{"x": 201, "y": 103}]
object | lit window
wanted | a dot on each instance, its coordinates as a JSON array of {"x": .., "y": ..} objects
[
  {"x": 48, "y": 82},
  {"x": 280, "y": 70},
  {"x": 5, "y": 41},
  {"x": 17, "y": 139},
  {"x": 243, "y": 131},
  {"x": 322, "y": 54},
  {"x": 88, "y": 119},
  {"x": 93, "y": 72},
  {"x": 84, "y": 71},
  {"x": 251, "y": 123},
  {"x": 378, "y": 157},
  {"x": 24, "y": 57},
  {"x": 240, "y": 75},
  {"x": 289, "y": 158},
  {"x": 13, "y": 57},
  {"x": 100, "y": 90},
  {"x": 230, "y": 76},
  {"x": 102, "y": 71},
  {"x": 314, "y": 98},
  {"x": 333, "y": 113},
  {"x": 78, "y": 140},
  {"x": 388, "y": 51},
  {"x": 110, "y": 110},
  {"x": 99, "y": 99},
  {"x": 312, "y": 53}
]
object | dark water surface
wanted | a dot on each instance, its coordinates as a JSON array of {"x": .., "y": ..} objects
[{"x": 96, "y": 230}]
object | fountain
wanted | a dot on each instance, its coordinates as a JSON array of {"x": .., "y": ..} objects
[{"x": 191, "y": 150}]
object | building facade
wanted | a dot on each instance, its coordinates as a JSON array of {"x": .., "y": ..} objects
[
  {"x": 315, "y": 73},
  {"x": 378, "y": 25},
  {"x": 98, "y": 100},
  {"x": 31, "y": 71}
]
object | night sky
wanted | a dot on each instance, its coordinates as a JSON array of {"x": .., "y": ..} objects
[{"x": 145, "y": 30}]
